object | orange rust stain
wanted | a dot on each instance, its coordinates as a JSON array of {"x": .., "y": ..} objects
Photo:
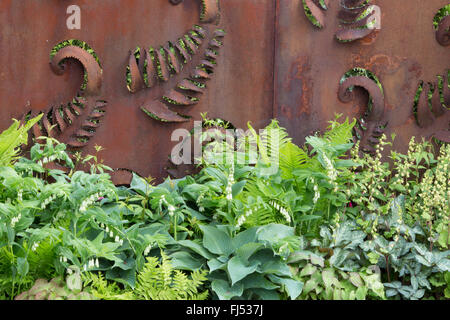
[{"x": 371, "y": 38}]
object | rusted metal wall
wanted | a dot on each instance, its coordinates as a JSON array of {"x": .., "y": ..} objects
[
  {"x": 272, "y": 62},
  {"x": 310, "y": 63}
]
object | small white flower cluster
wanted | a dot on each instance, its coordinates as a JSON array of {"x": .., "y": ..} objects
[
  {"x": 89, "y": 201},
  {"x": 199, "y": 200},
  {"x": 162, "y": 200},
  {"x": 15, "y": 220},
  {"x": 282, "y": 210},
  {"x": 116, "y": 237},
  {"x": 35, "y": 246},
  {"x": 47, "y": 201},
  {"x": 243, "y": 218},
  {"x": 316, "y": 194},
  {"x": 170, "y": 207},
  {"x": 62, "y": 259},
  {"x": 331, "y": 171},
  {"x": 435, "y": 189},
  {"x": 147, "y": 249},
  {"x": 92, "y": 263},
  {"x": 49, "y": 159},
  {"x": 228, "y": 190},
  {"x": 20, "y": 195}
]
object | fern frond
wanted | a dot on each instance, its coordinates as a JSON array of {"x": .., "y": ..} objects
[
  {"x": 292, "y": 157},
  {"x": 160, "y": 281},
  {"x": 13, "y": 138},
  {"x": 339, "y": 133}
]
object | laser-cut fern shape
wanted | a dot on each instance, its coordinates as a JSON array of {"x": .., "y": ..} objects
[
  {"x": 76, "y": 122},
  {"x": 150, "y": 67}
]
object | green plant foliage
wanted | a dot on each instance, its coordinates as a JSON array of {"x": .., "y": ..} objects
[
  {"x": 156, "y": 281},
  {"x": 272, "y": 221},
  {"x": 56, "y": 289},
  {"x": 249, "y": 265},
  {"x": 13, "y": 138}
]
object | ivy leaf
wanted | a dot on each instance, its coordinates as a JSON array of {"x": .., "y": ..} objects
[
  {"x": 317, "y": 260},
  {"x": 298, "y": 255},
  {"x": 293, "y": 287}
]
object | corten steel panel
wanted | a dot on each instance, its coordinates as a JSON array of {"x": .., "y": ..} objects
[
  {"x": 240, "y": 89},
  {"x": 310, "y": 63}
]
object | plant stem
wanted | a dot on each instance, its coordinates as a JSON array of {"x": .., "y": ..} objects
[{"x": 387, "y": 267}]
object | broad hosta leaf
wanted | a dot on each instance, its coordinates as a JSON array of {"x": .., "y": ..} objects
[
  {"x": 224, "y": 291},
  {"x": 247, "y": 250},
  {"x": 139, "y": 185},
  {"x": 184, "y": 261},
  {"x": 216, "y": 241},
  {"x": 256, "y": 280},
  {"x": 273, "y": 233},
  {"x": 215, "y": 264},
  {"x": 244, "y": 237},
  {"x": 276, "y": 267},
  {"x": 265, "y": 294},
  {"x": 238, "y": 269},
  {"x": 197, "y": 248}
]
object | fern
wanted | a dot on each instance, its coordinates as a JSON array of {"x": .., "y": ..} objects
[
  {"x": 263, "y": 213},
  {"x": 339, "y": 133},
  {"x": 292, "y": 157},
  {"x": 270, "y": 141},
  {"x": 41, "y": 261},
  {"x": 13, "y": 138},
  {"x": 157, "y": 281},
  {"x": 161, "y": 282},
  {"x": 102, "y": 289}
]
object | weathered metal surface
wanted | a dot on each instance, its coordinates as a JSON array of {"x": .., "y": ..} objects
[
  {"x": 240, "y": 89},
  {"x": 310, "y": 63},
  {"x": 163, "y": 62}
]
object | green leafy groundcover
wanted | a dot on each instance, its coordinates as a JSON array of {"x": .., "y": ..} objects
[{"x": 327, "y": 223}]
